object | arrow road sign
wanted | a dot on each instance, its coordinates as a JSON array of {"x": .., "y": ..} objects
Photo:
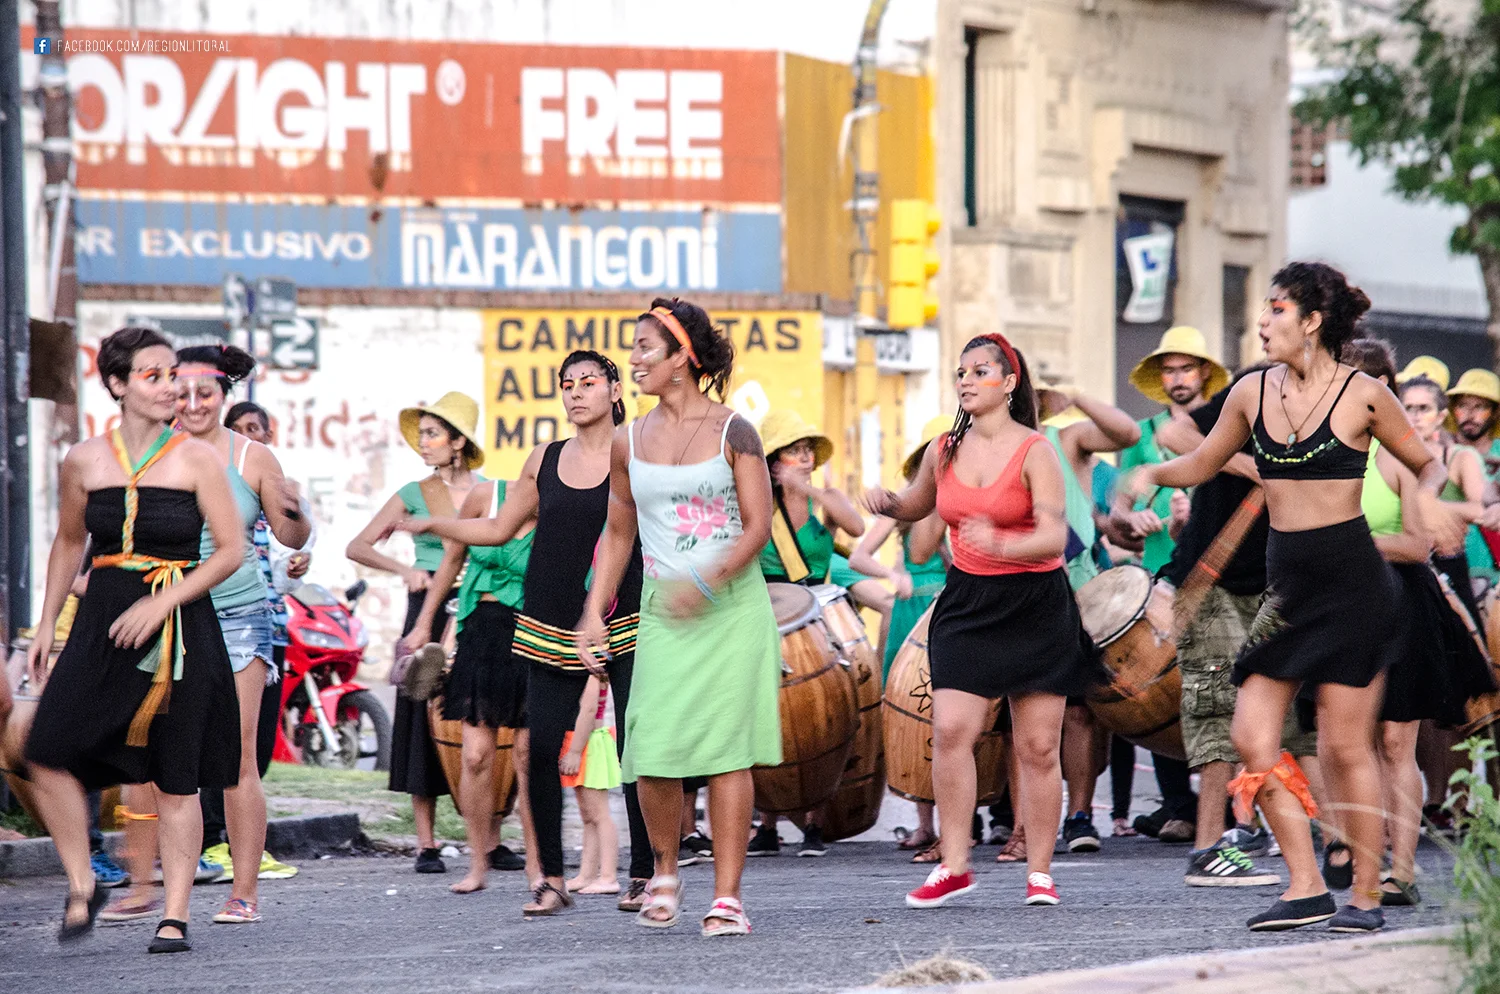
[{"x": 294, "y": 343}]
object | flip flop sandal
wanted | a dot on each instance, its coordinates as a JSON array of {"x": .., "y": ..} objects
[
  {"x": 726, "y": 909},
  {"x": 932, "y": 854},
  {"x": 1014, "y": 851},
  {"x": 634, "y": 897},
  {"x": 915, "y": 841},
  {"x": 162, "y": 944},
  {"x": 565, "y": 900},
  {"x": 662, "y": 894}
]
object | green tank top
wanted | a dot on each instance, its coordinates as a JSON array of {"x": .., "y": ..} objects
[
  {"x": 246, "y": 585},
  {"x": 926, "y": 578},
  {"x": 1157, "y": 550},
  {"x": 1381, "y": 504},
  {"x": 816, "y": 543},
  {"x": 1078, "y": 510},
  {"x": 429, "y": 547},
  {"x": 499, "y": 570}
]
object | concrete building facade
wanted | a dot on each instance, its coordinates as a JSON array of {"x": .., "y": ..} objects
[{"x": 1107, "y": 169}]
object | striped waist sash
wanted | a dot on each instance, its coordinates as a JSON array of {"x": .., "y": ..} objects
[
  {"x": 163, "y": 660},
  {"x": 558, "y": 647}
]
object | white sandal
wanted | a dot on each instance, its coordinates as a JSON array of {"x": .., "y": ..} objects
[
  {"x": 662, "y": 894},
  {"x": 726, "y": 909}
]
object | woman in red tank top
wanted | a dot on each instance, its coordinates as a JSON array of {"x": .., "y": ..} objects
[{"x": 1006, "y": 624}]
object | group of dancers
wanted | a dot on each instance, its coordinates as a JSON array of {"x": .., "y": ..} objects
[{"x": 629, "y": 563}]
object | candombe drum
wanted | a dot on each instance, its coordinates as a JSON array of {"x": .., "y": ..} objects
[
  {"x": 1130, "y": 619},
  {"x": 1483, "y": 712},
  {"x": 907, "y": 718},
  {"x": 818, "y": 712},
  {"x": 448, "y": 738},
  {"x": 856, "y": 806}
]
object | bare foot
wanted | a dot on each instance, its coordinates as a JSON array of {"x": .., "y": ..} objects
[
  {"x": 469, "y": 884},
  {"x": 603, "y": 885},
  {"x": 577, "y": 884}
]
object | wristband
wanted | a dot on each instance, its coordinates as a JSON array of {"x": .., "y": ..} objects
[{"x": 703, "y": 587}]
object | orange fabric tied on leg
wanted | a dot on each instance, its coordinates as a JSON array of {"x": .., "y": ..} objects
[
  {"x": 122, "y": 813},
  {"x": 1244, "y": 788}
]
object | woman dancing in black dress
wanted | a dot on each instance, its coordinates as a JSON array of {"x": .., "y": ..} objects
[{"x": 145, "y": 635}]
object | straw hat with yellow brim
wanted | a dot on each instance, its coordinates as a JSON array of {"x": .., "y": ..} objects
[
  {"x": 1479, "y": 383},
  {"x": 783, "y": 427},
  {"x": 1064, "y": 418},
  {"x": 939, "y": 425},
  {"x": 1431, "y": 367},
  {"x": 459, "y": 410},
  {"x": 1181, "y": 340},
  {"x": 1056, "y": 397}
]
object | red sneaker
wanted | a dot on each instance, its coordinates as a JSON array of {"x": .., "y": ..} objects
[
  {"x": 1041, "y": 890},
  {"x": 941, "y": 885}
]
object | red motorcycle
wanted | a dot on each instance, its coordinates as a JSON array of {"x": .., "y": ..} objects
[{"x": 328, "y": 718}]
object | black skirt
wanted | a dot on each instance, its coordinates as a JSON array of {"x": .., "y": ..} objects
[
  {"x": 1332, "y": 609},
  {"x": 1011, "y": 634},
  {"x": 1440, "y": 666},
  {"x": 487, "y": 685},
  {"x": 415, "y": 768}
]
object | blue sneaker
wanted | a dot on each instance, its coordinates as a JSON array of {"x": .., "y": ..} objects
[
  {"x": 107, "y": 872},
  {"x": 208, "y": 871}
]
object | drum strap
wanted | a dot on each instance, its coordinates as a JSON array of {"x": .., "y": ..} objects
[
  {"x": 1210, "y": 566},
  {"x": 785, "y": 541}
]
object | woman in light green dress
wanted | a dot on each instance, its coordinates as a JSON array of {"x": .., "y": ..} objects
[{"x": 690, "y": 479}]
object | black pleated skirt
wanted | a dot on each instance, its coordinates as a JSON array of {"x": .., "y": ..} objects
[
  {"x": 487, "y": 685},
  {"x": 1011, "y": 634},
  {"x": 1440, "y": 666},
  {"x": 1332, "y": 609},
  {"x": 415, "y": 768}
]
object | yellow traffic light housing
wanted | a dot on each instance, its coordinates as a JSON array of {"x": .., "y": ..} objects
[{"x": 910, "y": 298}]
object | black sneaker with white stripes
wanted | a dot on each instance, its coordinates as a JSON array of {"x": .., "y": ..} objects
[{"x": 1225, "y": 866}]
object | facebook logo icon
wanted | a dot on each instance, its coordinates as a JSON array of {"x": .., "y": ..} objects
[{"x": 41, "y": 46}]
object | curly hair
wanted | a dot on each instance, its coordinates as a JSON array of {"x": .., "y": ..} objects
[
  {"x": 714, "y": 350},
  {"x": 1318, "y": 287}
]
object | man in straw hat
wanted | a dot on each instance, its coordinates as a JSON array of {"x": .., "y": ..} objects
[
  {"x": 1080, "y": 428},
  {"x": 1182, "y": 375},
  {"x": 1474, "y": 418}
]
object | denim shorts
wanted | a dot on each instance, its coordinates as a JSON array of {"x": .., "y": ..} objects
[{"x": 247, "y": 635}]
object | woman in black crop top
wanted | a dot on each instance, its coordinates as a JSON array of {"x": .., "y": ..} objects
[{"x": 1331, "y": 600}]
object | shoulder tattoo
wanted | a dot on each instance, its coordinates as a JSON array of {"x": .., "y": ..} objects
[{"x": 742, "y": 438}]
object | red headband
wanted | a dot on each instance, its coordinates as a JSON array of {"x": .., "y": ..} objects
[
  {"x": 1005, "y": 350},
  {"x": 669, "y": 321}
]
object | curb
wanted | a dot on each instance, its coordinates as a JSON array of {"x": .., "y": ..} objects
[{"x": 299, "y": 837}]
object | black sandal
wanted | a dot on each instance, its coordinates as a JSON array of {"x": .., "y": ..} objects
[
  {"x": 565, "y": 900},
  {"x": 1338, "y": 876},
  {"x": 161, "y": 944},
  {"x": 66, "y": 932}
]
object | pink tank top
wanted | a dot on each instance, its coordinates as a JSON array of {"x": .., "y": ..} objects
[{"x": 1007, "y": 505}]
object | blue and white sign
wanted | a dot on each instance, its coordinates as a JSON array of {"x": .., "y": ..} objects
[{"x": 199, "y": 243}]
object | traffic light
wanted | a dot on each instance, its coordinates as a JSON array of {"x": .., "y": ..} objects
[{"x": 910, "y": 300}]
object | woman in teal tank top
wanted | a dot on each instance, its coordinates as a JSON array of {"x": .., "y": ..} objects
[
  {"x": 486, "y": 688},
  {"x": 444, "y": 435},
  {"x": 205, "y": 375}
]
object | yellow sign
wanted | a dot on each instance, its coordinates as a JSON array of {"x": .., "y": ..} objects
[{"x": 778, "y": 363}]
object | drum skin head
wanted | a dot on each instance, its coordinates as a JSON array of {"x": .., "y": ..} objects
[
  {"x": 793, "y": 604},
  {"x": 1112, "y": 601}
]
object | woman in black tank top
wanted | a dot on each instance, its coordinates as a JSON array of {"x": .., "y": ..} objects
[
  {"x": 569, "y": 521},
  {"x": 1331, "y": 600}
]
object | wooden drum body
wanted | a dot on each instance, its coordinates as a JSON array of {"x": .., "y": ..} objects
[
  {"x": 907, "y": 718},
  {"x": 1484, "y": 712},
  {"x": 819, "y": 717},
  {"x": 448, "y": 737},
  {"x": 856, "y": 806},
  {"x": 1129, "y": 618}
]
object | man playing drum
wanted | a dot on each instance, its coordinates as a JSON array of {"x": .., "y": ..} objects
[
  {"x": 1208, "y": 644},
  {"x": 1182, "y": 375},
  {"x": 1473, "y": 405}
]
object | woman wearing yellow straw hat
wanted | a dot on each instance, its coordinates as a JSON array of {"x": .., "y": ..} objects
[
  {"x": 1431, "y": 367},
  {"x": 917, "y": 579},
  {"x": 800, "y": 549},
  {"x": 444, "y": 435}
]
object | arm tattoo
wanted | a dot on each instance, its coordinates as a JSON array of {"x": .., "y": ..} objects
[{"x": 742, "y": 438}]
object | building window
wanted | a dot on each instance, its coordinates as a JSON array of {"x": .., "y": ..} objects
[
  {"x": 1309, "y": 163},
  {"x": 971, "y": 56},
  {"x": 1236, "y": 312},
  {"x": 989, "y": 124}
]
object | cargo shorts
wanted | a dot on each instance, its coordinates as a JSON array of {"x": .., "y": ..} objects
[{"x": 1205, "y": 657}]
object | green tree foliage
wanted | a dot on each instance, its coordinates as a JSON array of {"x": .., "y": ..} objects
[{"x": 1419, "y": 90}]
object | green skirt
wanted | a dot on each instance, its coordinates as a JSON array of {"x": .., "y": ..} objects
[
  {"x": 840, "y": 572},
  {"x": 704, "y": 698}
]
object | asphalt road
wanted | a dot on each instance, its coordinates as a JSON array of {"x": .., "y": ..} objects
[{"x": 368, "y": 924}]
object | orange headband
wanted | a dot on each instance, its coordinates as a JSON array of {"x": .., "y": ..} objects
[
  {"x": 190, "y": 370},
  {"x": 669, "y": 321}
]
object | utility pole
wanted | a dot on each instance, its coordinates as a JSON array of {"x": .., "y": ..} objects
[
  {"x": 58, "y": 194},
  {"x": 15, "y": 337},
  {"x": 865, "y": 205}
]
